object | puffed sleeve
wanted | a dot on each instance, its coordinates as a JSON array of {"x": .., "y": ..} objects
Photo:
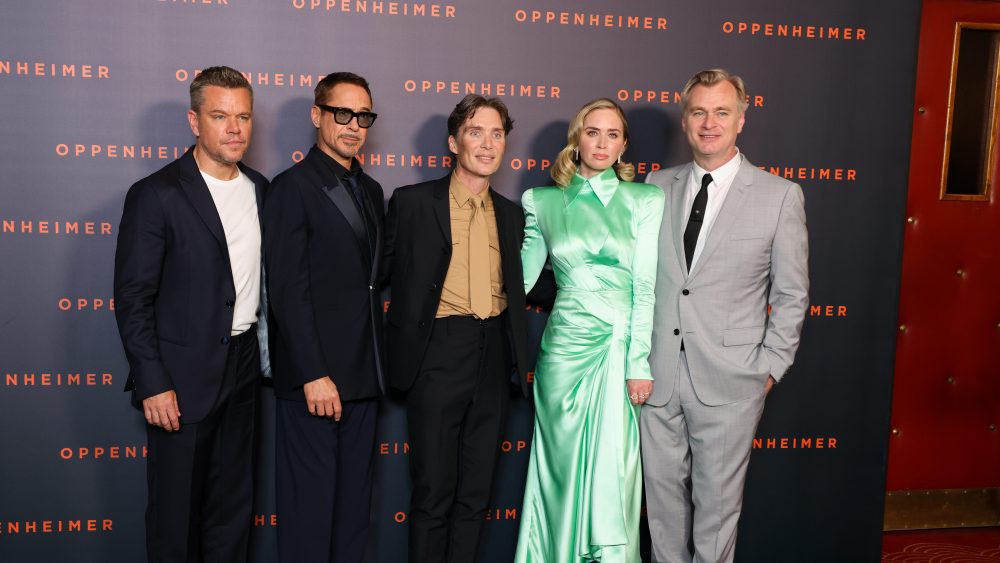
[
  {"x": 649, "y": 215},
  {"x": 533, "y": 249}
]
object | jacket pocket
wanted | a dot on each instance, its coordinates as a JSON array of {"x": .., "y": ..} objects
[{"x": 743, "y": 336}]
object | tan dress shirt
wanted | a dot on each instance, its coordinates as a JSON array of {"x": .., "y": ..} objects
[{"x": 455, "y": 291}]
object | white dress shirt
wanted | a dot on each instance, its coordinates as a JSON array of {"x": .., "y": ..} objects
[{"x": 722, "y": 178}]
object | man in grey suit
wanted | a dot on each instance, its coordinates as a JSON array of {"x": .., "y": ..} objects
[{"x": 733, "y": 243}]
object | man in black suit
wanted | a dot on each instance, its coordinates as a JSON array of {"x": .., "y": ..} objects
[
  {"x": 457, "y": 325},
  {"x": 187, "y": 292},
  {"x": 323, "y": 238}
]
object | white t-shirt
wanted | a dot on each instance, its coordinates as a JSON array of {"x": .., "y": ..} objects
[{"x": 236, "y": 202}]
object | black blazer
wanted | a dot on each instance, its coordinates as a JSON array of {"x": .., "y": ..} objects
[
  {"x": 326, "y": 305},
  {"x": 174, "y": 291},
  {"x": 417, "y": 254}
]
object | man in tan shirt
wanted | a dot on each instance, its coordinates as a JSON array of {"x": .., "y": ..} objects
[
  {"x": 456, "y": 329},
  {"x": 456, "y": 292}
]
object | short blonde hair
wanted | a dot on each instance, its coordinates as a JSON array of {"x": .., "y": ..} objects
[
  {"x": 566, "y": 166},
  {"x": 712, "y": 77}
]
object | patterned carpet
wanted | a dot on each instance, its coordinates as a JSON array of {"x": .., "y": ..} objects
[{"x": 969, "y": 545}]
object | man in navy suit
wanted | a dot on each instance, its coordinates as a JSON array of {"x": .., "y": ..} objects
[
  {"x": 323, "y": 237},
  {"x": 188, "y": 292}
]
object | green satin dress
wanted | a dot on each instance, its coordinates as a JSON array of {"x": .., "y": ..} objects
[{"x": 584, "y": 488}]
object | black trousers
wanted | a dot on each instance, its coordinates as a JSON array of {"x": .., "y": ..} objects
[
  {"x": 324, "y": 471},
  {"x": 456, "y": 411},
  {"x": 200, "y": 478}
]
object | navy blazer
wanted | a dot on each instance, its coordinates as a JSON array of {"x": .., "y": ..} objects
[
  {"x": 174, "y": 291},
  {"x": 326, "y": 303}
]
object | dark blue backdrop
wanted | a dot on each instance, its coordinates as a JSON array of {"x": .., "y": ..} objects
[{"x": 94, "y": 96}]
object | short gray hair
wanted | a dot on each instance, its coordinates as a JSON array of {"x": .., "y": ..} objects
[{"x": 221, "y": 76}]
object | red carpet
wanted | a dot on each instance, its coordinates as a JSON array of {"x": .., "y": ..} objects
[{"x": 966, "y": 545}]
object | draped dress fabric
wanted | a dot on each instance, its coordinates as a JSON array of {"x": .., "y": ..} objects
[{"x": 584, "y": 486}]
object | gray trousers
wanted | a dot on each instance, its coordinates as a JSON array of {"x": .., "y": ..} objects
[{"x": 694, "y": 460}]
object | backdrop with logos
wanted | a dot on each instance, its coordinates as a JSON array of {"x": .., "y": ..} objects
[{"x": 94, "y": 96}]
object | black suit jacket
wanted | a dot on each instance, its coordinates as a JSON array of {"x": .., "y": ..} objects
[
  {"x": 174, "y": 291},
  {"x": 417, "y": 254},
  {"x": 325, "y": 298}
]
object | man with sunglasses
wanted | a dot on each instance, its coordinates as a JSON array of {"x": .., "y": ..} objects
[{"x": 323, "y": 239}]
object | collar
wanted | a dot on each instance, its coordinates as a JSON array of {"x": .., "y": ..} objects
[
  {"x": 721, "y": 176},
  {"x": 462, "y": 194},
  {"x": 338, "y": 169},
  {"x": 604, "y": 186}
]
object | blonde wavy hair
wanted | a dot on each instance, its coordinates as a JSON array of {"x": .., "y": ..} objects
[{"x": 566, "y": 162}]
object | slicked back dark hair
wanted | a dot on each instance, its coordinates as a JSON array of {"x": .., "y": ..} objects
[
  {"x": 468, "y": 107},
  {"x": 221, "y": 76},
  {"x": 324, "y": 86}
]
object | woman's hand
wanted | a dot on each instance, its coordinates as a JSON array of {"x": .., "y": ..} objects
[{"x": 639, "y": 390}]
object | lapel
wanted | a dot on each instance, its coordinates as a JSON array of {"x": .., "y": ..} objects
[
  {"x": 336, "y": 192},
  {"x": 375, "y": 195},
  {"x": 678, "y": 188},
  {"x": 442, "y": 210},
  {"x": 727, "y": 215},
  {"x": 196, "y": 190},
  {"x": 502, "y": 229},
  {"x": 258, "y": 188},
  {"x": 264, "y": 306}
]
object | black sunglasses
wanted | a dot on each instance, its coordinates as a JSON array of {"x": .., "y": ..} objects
[{"x": 343, "y": 116}]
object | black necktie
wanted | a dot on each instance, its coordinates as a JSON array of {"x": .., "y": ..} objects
[
  {"x": 695, "y": 220},
  {"x": 364, "y": 207}
]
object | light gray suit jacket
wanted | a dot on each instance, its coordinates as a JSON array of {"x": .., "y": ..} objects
[{"x": 755, "y": 257}]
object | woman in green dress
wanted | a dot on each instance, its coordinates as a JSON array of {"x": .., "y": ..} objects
[{"x": 599, "y": 230}]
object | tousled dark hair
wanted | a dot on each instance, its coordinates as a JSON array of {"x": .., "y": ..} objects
[{"x": 468, "y": 107}]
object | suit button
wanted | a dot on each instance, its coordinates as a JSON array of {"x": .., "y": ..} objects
[
  {"x": 677, "y": 331},
  {"x": 225, "y": 340},
  {"x": 230, "y": 303},
  {"x": 685, "y": 292},
  {"x": 421, "y": 324},
  {"x": 434, "y": 286}
]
